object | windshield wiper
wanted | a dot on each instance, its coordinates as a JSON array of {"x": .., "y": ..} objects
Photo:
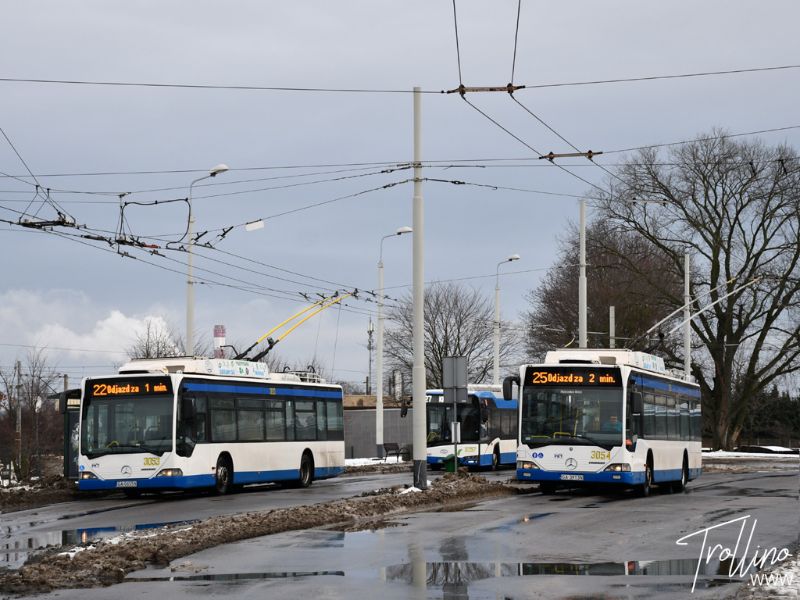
[{"x": 151, "y": 449}]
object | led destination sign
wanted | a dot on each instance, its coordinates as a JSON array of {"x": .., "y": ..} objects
[
  {"x": 572, "y": 376},
  {"x": 145, "y": 386}
]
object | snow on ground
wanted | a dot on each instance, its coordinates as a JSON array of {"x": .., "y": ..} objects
[
  {"x": 361, "y": 462},
  {"x": 727, "y": 454}
]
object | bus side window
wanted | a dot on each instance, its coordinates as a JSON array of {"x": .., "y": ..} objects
[
  {"x": 661, "y": 417},
  {"x": 289, "y": 419},
  {"x": 201, "y": 418},
  {"x": 634, "y": 424},
  {"x": 686, "y": 433},
  {"x": 649, "y": 415},
  {"x": 322, "y": 421},
  {"x": 335, "y": 420}
]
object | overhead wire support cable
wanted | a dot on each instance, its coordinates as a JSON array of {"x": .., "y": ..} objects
[
  {"x": 524, "y": 143},
  {"x": 516, "y": 36},
  {"x": 458, "y": 48}
]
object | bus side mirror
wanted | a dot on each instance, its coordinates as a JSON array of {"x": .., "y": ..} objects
[{"x": 508, "y": 384}]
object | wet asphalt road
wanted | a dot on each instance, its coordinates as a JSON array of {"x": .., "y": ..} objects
[
  {"x": 82, "y": 520},
  {"x": 568, "y": 545}
]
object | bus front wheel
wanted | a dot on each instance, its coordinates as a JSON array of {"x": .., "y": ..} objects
[
  {"x": 306, "y": 470},
  {"x": 647, "y": 486},
  {"x": 680, "y": 486},
  {"x": 223, "y": 476},
  {"x": 547, "y": 488}
]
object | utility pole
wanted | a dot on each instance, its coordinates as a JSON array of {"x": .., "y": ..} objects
[
  {"x": 612, "y": 325},
  {"x": 687, "y": 316},
  {"x": 582, "y": 338},
  {"x": 18, "y": 368},
  {"x": 496, "y": 367},
  {"x": 418, "y": 336},
  {"x": 370, "y": 331}
]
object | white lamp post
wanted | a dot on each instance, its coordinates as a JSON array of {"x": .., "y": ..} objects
[
  {"x": 220, "y": 168},
  {"x": 379, "y": 359},
  {"x": 496, "y": 375}
]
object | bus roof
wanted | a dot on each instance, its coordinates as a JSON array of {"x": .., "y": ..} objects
[
  {"x": 219, "y": 367},
  {"x": 606, "y": 356}
]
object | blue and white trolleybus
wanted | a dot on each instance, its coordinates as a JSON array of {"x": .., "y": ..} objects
[
  {"x": 593, "y": 416},
  {"x": 180, "y": 423},
  {"x": 488, "y": 426}
]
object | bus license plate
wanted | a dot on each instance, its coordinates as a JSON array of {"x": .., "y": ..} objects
[
  {"x": 569, "y": 477},
  {"x": 127, "y": 484}
]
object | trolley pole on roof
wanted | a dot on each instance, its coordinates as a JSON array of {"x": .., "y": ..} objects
[{"x": 418, "y": 337}]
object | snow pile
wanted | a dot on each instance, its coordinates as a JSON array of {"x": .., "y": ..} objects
[
  {"x": 363, "y": 462},
  {"x": 411, "y": 489},
  {"x": 728, "y": 454},
  {"x": 71, "y": 553}
]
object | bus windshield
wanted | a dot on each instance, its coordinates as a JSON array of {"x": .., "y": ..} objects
[
  {"x": 438, "y": 423},
  {"x": 127, "y": 425},
  {"x": 555, "y": 415}
]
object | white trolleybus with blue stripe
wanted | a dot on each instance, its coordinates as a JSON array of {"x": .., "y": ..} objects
[
  {"x": 616, "y": 417},
  {"x": 487, "y": 423},
  {"x": 184, "y": 423}
]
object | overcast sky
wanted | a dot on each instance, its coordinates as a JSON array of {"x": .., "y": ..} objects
[{"x": 58, "y": 293}]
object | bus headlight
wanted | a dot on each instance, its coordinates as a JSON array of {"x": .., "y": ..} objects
[
  {"x": 524, "y": 464},
  {"x": 170, "y": 473},
  {"x": 88, "y": 475},
  {"x": 619, "y": 468}
]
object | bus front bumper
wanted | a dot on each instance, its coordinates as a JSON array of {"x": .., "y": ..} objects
[
  {"x": 571, "y": 478},
  {"x": 183, "y": 482}
]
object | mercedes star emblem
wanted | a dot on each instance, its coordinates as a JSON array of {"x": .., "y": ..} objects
[
  {"x": 126, "y": 470},
  {"x": 572, "y": 464}
]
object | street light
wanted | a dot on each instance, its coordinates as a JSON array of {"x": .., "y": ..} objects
[
  {"x": 379, "y": 359},
  {"x": 220, "y": 168},
  {"x": 511, "y": 258}
]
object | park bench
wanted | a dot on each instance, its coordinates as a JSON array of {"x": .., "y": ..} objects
[{"x": 391, "y": 448}]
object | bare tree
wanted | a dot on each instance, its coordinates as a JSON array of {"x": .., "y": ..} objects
[
  {"x": 159, "y": 340},
  {"x": 552, "y": 320},
  {"x": 735, "y": 207},
  {"x": 458, "y": 322},
  {"x": 28, "y": 393}
]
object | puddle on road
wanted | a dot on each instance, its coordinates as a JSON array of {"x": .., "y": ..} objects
[
  {"x": 439, "y": 574},
  {"x": 14, "y": 551},
  {"x": 368, "y": 526},
  {"x": 231, "y": 577},
  {"x": 461, "y": 573}
]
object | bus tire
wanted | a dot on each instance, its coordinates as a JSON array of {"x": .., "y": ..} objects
[
  {"x": 223, "y": 475},
  {"x": 306, "y": 470},
  {"x": 680, "y": 486},
  {"x": 647, "y": 486},
  {"x": 496, "y": 458}
]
